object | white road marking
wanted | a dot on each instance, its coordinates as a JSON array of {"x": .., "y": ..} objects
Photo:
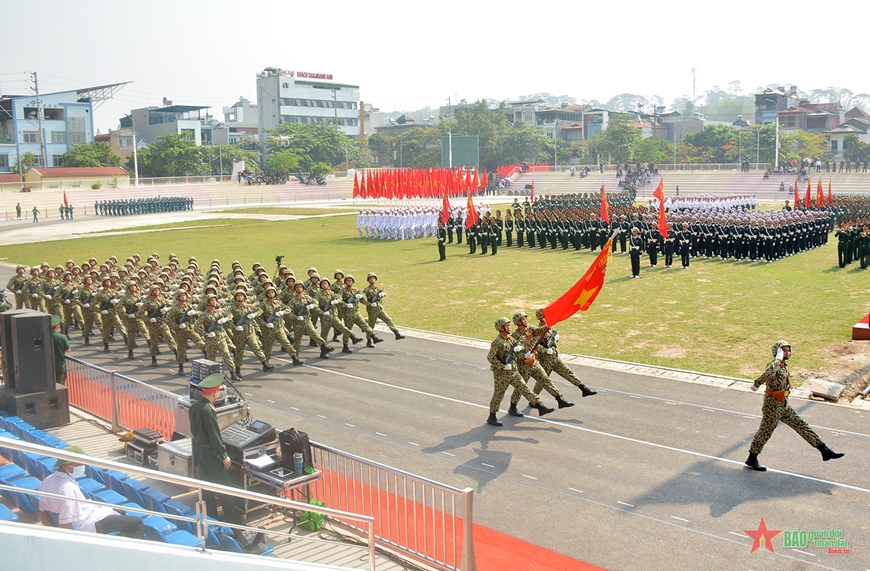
[
  {"x": 680, "y": 519},
  {"x": 321, "y": 416},
  {"x": 271, "y": 401},
  {"x": 804, "y": 552},
  {"x": 248, "y": 395},
  {"x": 529, "y": 477},
  {"x": 708, "y": 410},
  {"x": 568, "y": 426},
  {"x": 634, "y": 396},
  {"x": 380, "y": 434},
  {"x": 294, "y": 408},
  {"x": 488, "y": 465},
  {"x": 670, "y": 403},
  {"x": 625, "y": 504},
  {"x": 743, "y": 535},
  {"x": 413, "y": 443},
  {"x": 455, "y": 363},
  {"x": 721, "y": 437},
  {"x": 578, "y": 491},
  {"x": 750, "y": 417},
  {"x": 350, "y": 425},
  {"x": 449, "y": 454}
]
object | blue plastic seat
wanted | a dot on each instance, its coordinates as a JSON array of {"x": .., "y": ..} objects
[
  {"x": 230, "y": 544},
  {"x": 6, "y": 514},
  {"x": 157, "y": 525},
  {"x": 111, "y": 497},
  {"x": 90, "y": 486},
  {"x": 113, "y": 479},
  {"x": 172, "y": 509},
  {"x": 154, "y": 500},
  {"x": 133, "y": 489},
  {"x": 11, "y": 472},
  {"x": 24, "y": 502},
  {"x": 21, "y": 429},
  {"x": 129, "y": 508},
  {"x": 39, "y": 466},
  {"x": 155, "y": 530}
]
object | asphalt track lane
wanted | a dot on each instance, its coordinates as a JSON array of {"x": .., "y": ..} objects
[{"x": 623, "y": 480}]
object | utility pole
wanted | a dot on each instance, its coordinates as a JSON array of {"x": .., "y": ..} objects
[
  {"x": 39, "y": 118},
  {"x": 449, "y": 135},
  {"x": 693, "y": 86},
  {"x": 135, "y": 162}
]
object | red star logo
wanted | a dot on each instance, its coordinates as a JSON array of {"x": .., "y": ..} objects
[{"x": 762, "y": 532}]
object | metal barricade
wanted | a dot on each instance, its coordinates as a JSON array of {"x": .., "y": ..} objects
[
  {"x": 126, "y": 403},
  {"x": 415, "y": 517}
]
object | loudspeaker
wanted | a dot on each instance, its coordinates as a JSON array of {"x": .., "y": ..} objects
[
  {"x": 7, "y": 342},
  {"x": 46, "y": 409},
  {"x": 33, "y": 352}
]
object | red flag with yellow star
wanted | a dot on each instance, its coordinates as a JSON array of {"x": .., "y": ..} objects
[
  {"x": 583, "y": 293},
  {"x": 820, "y": 195},
  {"x": 662, "y": 222},
  {"x": 605, "y": 207}
]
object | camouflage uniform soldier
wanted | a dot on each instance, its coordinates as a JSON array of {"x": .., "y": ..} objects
[
  {"x": 242, "y": 324},
  {"x": 153, "y": 311},
  {"x": 528, "y": 366},
  {"x": 271, "y": 321},
  {"x": 180, "y": 320},
  {"x": 502, "y": 353},
  {"x": 68, "y": 293},
  {"x": 351, "y": 298},
  {"x": 105, "y": 300},
  {"x": 337, "y": 288},
  {"x": 51, "y": 298},
  {"x": 299, "y": 307},
  {"x": 129, "y": 307},
  {"x": 210, "y": 326},
  {"x": 33, "y": 290},
  {"x": 17, "y": 286},
  {"x": 549, "y": 358},
  {"x": 373, "y": 300},
  {"x": 327, "y": 307},
  {"x": 88, "y": 307},
  {"x": 776, "y": 408}
]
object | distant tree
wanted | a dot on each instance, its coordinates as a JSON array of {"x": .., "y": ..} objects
[
  {"x": 652, "y": 150},
  {"x": 312, "y": 143},
  {"x": 523, "y": 144},
  {"x": 619, "y": 139},
  {"x": 171, "y": 155},
  {"x": 380, "y": 147},
  {"x": 24, "y": 163},
  {"x": 96, "y": 154},
  {"x": 229, "y": 154},
  {"x": 320, "y": 169},
  {"x": 855, "y": 148},
  {"x": 802, "y": 144},
  {"x": 419, "y": 148},
  {"x": 283, "y": 161}
]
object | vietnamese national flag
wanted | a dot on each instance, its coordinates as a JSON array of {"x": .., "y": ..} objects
[
  {"x": 484, "y": 180},
  {"x": 820, "y": 195},
  {"x": 660, "y": 194},
  {"x": 362, "y": 186},
  {"x": 605, "y": 208},
  {"x": 475, "y": 181},
  {"x": 830, "y": 196},
  {"x": 797, "y": 196},
  {"x": 471, "y": 217},
  {"x": 64, "y": 198},
  {"x": 370, "y": 186},
  {"x": 808, "y": 201},
  {"x": 445, "y": 207},
  {"x": 583, "y": 293},
  {"x": 532, "y": 194},
  {"x": 355, "y": 188}
]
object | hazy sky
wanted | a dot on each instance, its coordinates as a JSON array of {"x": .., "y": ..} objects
[{"x": 406, "y": 55}]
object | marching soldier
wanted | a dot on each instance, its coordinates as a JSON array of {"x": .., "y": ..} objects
[
  {"x": 271, "y": 322},
  {"x": 528, "y": 365},
  {"x": 635, "y": 251},
  {"x": 548, "y": 357},
  {"x": 373, "y": 300},
  {"x": 776, "y": 408},
  {"x": 299, "y": 307},
  {"x": 328, "y": 304},
  {"x": 180, "y": 320},
  {"x": 152, "y": 311},
  {"x": 130, "y": 304},
  {"x": 502, "y": 354},
  {"x": 17, "y": 286},
  {"x": 351, "y": 298},
  {"x": 210, "y": 327},
  {"x": 242, "y": 323},
  {"x": 442, "y": 234}
]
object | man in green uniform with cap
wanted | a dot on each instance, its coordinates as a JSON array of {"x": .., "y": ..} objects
[
  {"x": 209, "y": 450},
  {"x": 61, "y": 347}
]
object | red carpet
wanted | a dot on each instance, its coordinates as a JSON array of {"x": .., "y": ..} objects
[{"x": 496, "y": 551}]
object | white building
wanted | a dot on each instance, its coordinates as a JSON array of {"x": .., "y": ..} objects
[
  {"x": 302, "y": 97},
  {"x": 150, "y": 123}
]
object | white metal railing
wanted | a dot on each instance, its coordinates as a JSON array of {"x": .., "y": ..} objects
[
  {"x": 127, "y": 403},
  {"x": 199, "y": 522},
  {"x": 414, "y": 516}
]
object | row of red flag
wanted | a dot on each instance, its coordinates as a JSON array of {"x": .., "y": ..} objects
[
  {"x": 820, "y": 195},
  {"x": 417, "y": 183},
  {"x": 508, "y": 170}
]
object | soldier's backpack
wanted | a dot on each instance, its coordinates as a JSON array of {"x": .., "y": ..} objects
[{"x": 293, "y": 441}]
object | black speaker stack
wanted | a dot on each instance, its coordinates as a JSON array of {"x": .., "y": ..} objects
[{"x": 29, "y": 390}]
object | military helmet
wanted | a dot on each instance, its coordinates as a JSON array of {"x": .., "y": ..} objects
[
  {"x": 540, "y": 314},
  {"x": 349, "y": 277},
  {"x": 779, "y": 345},
  {"x": 337, "y": 273},
  {"x": 314, "y": 276},
  {"x": 501, "y": 322},
  {"x": 372, "y": 275},
  {"x": 517, "y": 316}
]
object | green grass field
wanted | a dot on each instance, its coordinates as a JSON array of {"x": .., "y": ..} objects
[
  {"x": 717, "y": 317},
  {"x": 291, "y": 211}
]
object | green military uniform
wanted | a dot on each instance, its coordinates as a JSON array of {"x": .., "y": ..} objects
[
  {"x": 374, "y": 300},
  {"x": 548, "y": 357},
  {"x": 128, "y": 307},
  {"x": 776, "y": 408},
  {"x": 527, "y": 339},
  {"x": 504, "y": 374},
  {"x": 152, "y": 311},
  {"x": 60, "y": 345},
  {"x": 242, "y": 323},
  {"x": 328, "y": 304},
  {"x": 209, "y": 452},
  {"x": 105, "y": 300},
  {"x": 210, "y": 327},
  {"x": 89, "y": 309},
  {"x": 33, "y": 290},
  {"x": 180, "y": 319},
  {"x": 300, "y": 306},
  {"x": 351, "y": 298},
  {"x": 17, "y": 286},
  {"x": 271, "y": 321}
]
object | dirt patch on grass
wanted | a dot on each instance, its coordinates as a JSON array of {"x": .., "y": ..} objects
[
  {"x": 671, "y": 352},
  {"x": 849, "y": 366}
]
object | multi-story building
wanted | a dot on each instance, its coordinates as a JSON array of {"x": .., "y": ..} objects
[
  {"x": 150, "y": 123},
  {"x": 67, "y": 120},
  {"x": 239, "y": 126},
  {"x": 285, "y": 96}
]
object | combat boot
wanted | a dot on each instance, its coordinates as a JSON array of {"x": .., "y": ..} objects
[
  {"x": 586, "y": 391},
  {"x": 297, "y": 361},
  {"x": 752, "y": 462},
  {"x": 153, "y": 361},
  {"x": 346, "y": 349},
  {"x": 542, "y": 408},
  {"x": 492, "y": 420},
  {"x": 239, "y": 373},
  {"x": 87, "y": 342},
  {"x": 398, "y": 335},
  {"x": 105, "y": 347},
  {"x": 370, "y": 343},
  {"x": 130, "y": 354},
  {"x": 325, "y": 351},
  {"x": 828, "y": 454},
  {"x": 233, "y": 376},
  {"x": 335, "y": 337},
  {"x": 513, "y": 411},
  {"x": 376, "y": 339},
  {"x": 180, "y": 370},
  {"x": 312, "y": 343},
  {"x": 267, "y": 368},
  {"x": 354, "y": 339},
  {"x": 563, "y": 403}
]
